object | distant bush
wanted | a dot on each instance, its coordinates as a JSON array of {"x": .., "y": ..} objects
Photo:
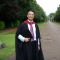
[
  {"x": 15, "y": 24},
  {"x": 2, "y": 25}
]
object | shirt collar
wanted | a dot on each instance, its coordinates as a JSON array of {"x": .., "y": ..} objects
[{"x": 30, "y": 21}]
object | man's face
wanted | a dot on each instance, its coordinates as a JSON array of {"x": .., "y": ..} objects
[{"x": 30, "y": 15}]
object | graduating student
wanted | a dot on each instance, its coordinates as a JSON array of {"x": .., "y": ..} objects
[{"x": 28, "y": 40}]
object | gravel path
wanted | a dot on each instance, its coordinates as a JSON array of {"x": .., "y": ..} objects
[{"x": 51, "y": 41}]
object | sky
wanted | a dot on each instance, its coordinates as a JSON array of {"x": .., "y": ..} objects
[{"x": 49, "y": 6}]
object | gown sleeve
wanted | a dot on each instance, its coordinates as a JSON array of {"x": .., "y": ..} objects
[
  {"x": 21, "y": 38},
  {"x": 39, "y": 36},
  {"x": 19, "y": 33}
]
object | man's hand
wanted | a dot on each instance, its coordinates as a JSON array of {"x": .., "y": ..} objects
[{"x": 26, "y": 39}]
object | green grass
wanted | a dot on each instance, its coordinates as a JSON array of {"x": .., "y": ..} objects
[
  {"x": 41, "y": 25},
  {"x": 9, "y": 40}
]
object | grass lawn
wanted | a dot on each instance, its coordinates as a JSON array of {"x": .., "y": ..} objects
[
  {"x": 41, "y": 25},
  {"x": 9, "y": 39}
]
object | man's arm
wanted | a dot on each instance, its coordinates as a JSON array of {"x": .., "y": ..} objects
[{"x": 23, "y": 39}]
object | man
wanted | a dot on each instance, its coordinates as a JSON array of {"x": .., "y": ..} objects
[{"x": 28, "y": 40}]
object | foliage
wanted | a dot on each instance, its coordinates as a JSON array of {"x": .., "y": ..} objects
[
  {"x": 10, "y": 10},
  {"x": 2, "y": 25},
  {"x": 51, "y": 16},
  {"x": 57, "y": 15}
]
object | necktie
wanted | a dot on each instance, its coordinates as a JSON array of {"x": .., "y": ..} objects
[{"x": 31, "y": 30}]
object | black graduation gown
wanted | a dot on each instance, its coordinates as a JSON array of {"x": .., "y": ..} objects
[{"x": 28, "y": 51}]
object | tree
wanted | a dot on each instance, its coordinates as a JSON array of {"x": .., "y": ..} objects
[
  {"x": 51, "y": 16},
  {"x": 8, "y": 12},
  {"x": 12, "y": 11},
  {"x": 57, "y": 15}
]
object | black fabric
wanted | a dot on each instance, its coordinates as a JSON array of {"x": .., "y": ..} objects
[{"x": 27, "y": 51}]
